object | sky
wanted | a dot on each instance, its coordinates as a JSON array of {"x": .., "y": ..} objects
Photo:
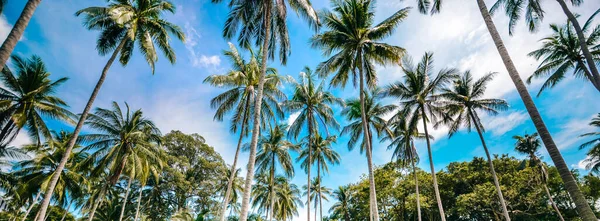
[{"x": 175, "y": 98}]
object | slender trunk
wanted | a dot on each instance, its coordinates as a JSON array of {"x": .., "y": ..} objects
[
  {"x": 235, "y": 159},
  {"x": 257, "y": 107},
  {"x": 95, "y": 206},
  {"x": 37, "y": 196},
  {"x": 435, "y": 183},
  {"x": 37, "y": 215},
  {"x": 582, "y": 41},
  {"x": 73, "y": 139},
  {"x": 66, "y": 211},
  {"x": 412, "y": 160},
  {"x": 17, "y": 31},
  {"x": 271, "y": 187},
  {"x": 125, "y": 198},
  {"x": 373, "y": 193},
  {"x": 137, "y": 209},
  {"x": 310, "y": 130},
  {"x": 492, "y": 170},
  {"x": 552, "y": 203},
  {"x": 320, "y": 194},
  {"x": 583, "y": 208}
]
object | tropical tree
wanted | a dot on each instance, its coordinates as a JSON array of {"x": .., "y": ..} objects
[
  {"x": 317, "y": 193},
  {"x": 529, "y": 144},
  {"x": 341, "y": 207},
  {"x": 355, "y": 42},
  {"x": 122, "y": 24},
  {"x": 462, "y": 101},
  {"x": 28, "y": 96},
  {"x": 265, "y": 22},
  {"x": 593, "y": 159},
  {"x": 288, "y": 200},
  {"x": 418, "y": 99},
  {"x": 242, "y": 81},
  {"x": 560, "y": 52},
  {"x": 312, "y": 103},
  {"x": 236, "y": 189},
  {"x": 16, "y": 33}
]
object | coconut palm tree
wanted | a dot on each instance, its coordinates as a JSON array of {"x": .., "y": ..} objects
[
  {"x": 274, "y": 151},
  {"x": 236, "y": 189},
  {"x": 313, "y": 105},
  {"x": 356, "y": 44},
  {"x": 317, "y": 192},
  {"x": 264, "y": 22},
  {"x": 241, "y": 81},
  {"x": 342, "y": 207},
  {"x": 462, "y": 101},
  {"x": 560, "y": 52},
  {"x": 16, "y": 33},
  {"x": 122, "y": 24},
  {"x": 322, "y": 154},
  {"x": 593, "y": 159},
  {"x": 529, "y": 144},
  {"x": 418, "y": 99},
  {"x": 288, "y": 200},
  {"x": 26, "y": 96}
]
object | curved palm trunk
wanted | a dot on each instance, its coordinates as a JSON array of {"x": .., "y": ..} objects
[
  {"x": 583, "y": 208},
  {"x": 137, "y": 209},
  {"x": 66, "y": 211},
  {"x": 310, "y": 129},
  {"x": 582, "y": 42},
  {"x": 84, "y": 114},
  {"x": 416, "y": 184},
  {"x": 553, "y": 204},
  {"x": 37, "y": 196},
  {"x": 17, "y": 31},
  {"x": 235, "y": 159},
  {"x": 492, "y": 170},
  {"x": 435, "y": 183},
  {"x": 125, "y": 198},
  {"x": 257, "y": 107}
]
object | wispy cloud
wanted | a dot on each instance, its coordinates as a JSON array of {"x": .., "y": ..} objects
[
  {"x": 500, "y": 124},
  {"x": 196, "y": 58}
]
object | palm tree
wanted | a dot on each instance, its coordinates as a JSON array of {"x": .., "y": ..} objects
[
  {"x": 242, "y": 81},
  {"x": 236, "y": 189},
  {"x": 418, "y": 100},
  {"x": 17, "y": 31},
  {"x": 27, "y": 96},
  {"x": 275, "y": 152},
  {"x": 593, "y": 159},
  {"x": 125, "y": 144},
  {"x": 323, "y": 154},
  {"x": 265, "y": 22},
  {"x": 561, "y": 52},
  {"x": 288, "y": 200},
  {"x": 313, "y": 103},
  {"x": 462, "y": 102},
  {"x": 183, "y": 215},
  {"x": 317, "y": 192},
  {"x": 342, "y": 207},
  {"x": 529, "y": 144},
  {"x": 122, "y": 24},
  {"x": 356, "y": 46}
]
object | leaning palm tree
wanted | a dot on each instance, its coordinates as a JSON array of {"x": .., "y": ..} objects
[
  {"x": 593, "y": 159},
  {"x": 317, "y": 192},
  {"x": 122, "y": 24},
  {"x": 264, "y": 22},
  {"x": 418, "y": 100},
  {"x": 17, "y": 31},
  {"x": 242, "y": 81},
  {"x": 355, "y": 42},
  {"x": 322, "y": 154},
  {"x": 342, "y": 207},
  {"x": 560, "y": 52},
  {"x": 274, "y": 151},
  {"x": 462, "y": 101},
  {"x": 312, "y": 102},
  {"x": 26, "y": 97},
  {"x": 529, "y": 144}
]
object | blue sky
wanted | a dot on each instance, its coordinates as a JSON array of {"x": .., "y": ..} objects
[{"x": 175, "y": 97}]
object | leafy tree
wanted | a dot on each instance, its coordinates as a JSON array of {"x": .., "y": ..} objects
[
  {"x": 593, "y": 159},
  {"x": 317, "y": 193},
  {"x": 341, "y": 208}
]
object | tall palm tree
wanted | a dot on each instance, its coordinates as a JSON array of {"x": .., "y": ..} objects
[
  {"x": 122, "y": 24},
  {"x": 462, "y": 101},
  {"x": 322, "y": 154},
  {"x": 529, "y": 144},
  {"x": 275, "y": 152},
  {"x": 560, "y": 53},
  {"x": 242, "y": 81},
  {"x": 418, "y": 99},
  {"x": 355, "y": 42},
  {"x": 312, "y": 102},
  {"x": 317, "y": 192},
  {"x": 593, "y": 160},
  {"x": 265, "y": 22},
  {"x": 288, "y": 200},
  {"x": 25, "y": 97},
  {"x": 16, "y": 32},
  {"x": 125, "y": 144},
  {"x": 342, "y": 207}
]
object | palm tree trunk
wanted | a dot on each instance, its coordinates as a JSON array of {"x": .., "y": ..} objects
[
  {"x": 583, "y": 208},
  {"x": 67, "y": 211},
  {"x": 17, "y": 31},
  {"x": 271, "y": 186},
  {"x": 373, "y": 193},
  {"x": 95, "y": 206},
  {"x": 553, "y": 204},
  {"x": 37, "y": 196},
  {"x": 257, "y": 107},
  {"x": 73, "y": 139},
  {"x": 235, "y": 159},
  {"x": 582, "y": 41},
  {"x": 125, "y": 198},
  {"x": 137, "y": 209},
  {"x": 435, "y": 183},
  {"x": 492, "y": 170},
  {"x": 310, "y": 130},
  {"x": 320, "y": 194},
  {"x": 412, "y": 159}
]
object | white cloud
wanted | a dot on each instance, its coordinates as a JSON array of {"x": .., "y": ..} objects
[
  {"x": 207, "y": 61},
  {"x": 569, "y": 133},
  {"x": 503, "y": 123},
  {"x": 581, "y": 164},
  {"x": 4, "y": 28},
  {"x": 292, "y": 118},
  {"x": 197, "y": 59}
]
